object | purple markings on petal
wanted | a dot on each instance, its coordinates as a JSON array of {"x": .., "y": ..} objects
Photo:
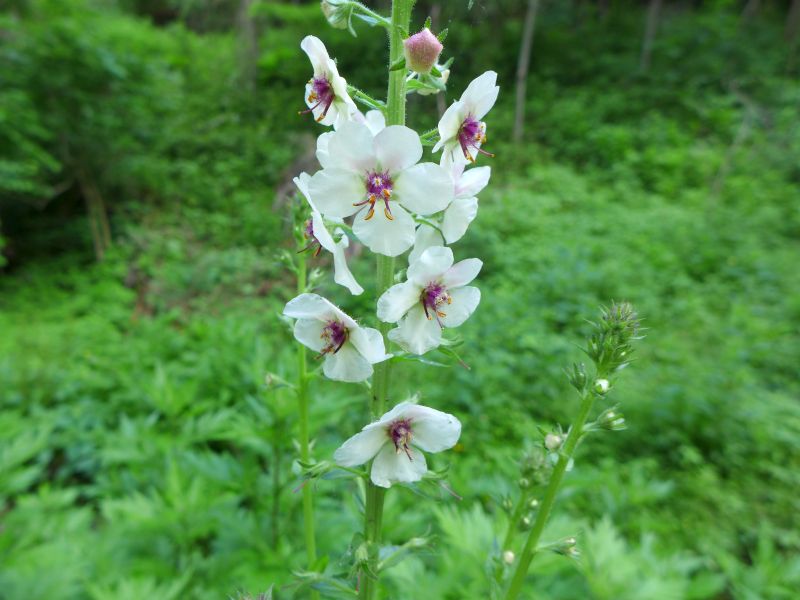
[
  {"x": 400, "y": 433},
  {"x": 432, "y": 298},
  {"x": 321, "y": 94},
  {"x": 471, "y": 135},
  {"x": 335, "y": 335}
]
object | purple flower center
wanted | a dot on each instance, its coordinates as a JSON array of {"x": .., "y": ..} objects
[
  {"x": 378, "y": 186},
  {"x": 321, "y": 94},
  {"x": 335, "y": 335},
  {"x": 471, "y": 135},
  {"x": 433, "y": 296},
  {"x": 308, "y": 233},
  {"x": 400, "y": 433}
]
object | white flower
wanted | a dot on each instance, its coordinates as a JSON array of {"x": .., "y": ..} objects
[
  {"x": 326, "y": 92},
  {"x": 461, "y": 131},
  {"x": 319, "y": 236},
  {"x": 434, "y": 297},
  {"x": 457, "y": 217},
  {"x": 361, "y": 171},
  {"x": 349, "y": 350},
  {"x": 395, "y": 441},
  {"x": 374, "y": 120}
]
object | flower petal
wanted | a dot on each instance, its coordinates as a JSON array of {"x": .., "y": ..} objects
[
  {"x": 450, "y": 123},
  {"x": 462, "y": 273},
  {"x": 390, "y": 467},
  {"x": 425, "y": 237},
  {"x": 314, "y": 306},
  {"x": 309, "y": 306},
  {"x": 433, "y": 430},
  {"x": 464, "y": 302},
  {"x": 321, "y": 232},
  {"x": 362, "y": 447},
  {"x": 395, "y": 302},
  {"x": 375, "y": 121},
  {"x": 481, "y": 94},
  {"x": 347, "y": 365},
  {"x": 317, "y": 53},
  {"x": 457, "y": 217},
  {"x": 425, "y": 188},
  {"x": 334, "y": 191},
  {"x": 323, "y": 156},
  {"x": 369, "y": 343},
  {"x": 397, "y": 148},
  {"x": 383, "y": 236},
  {"x": 341, "y": 272},
  {"x": 471, "y": 182},
  {"x": 417, "y": 334},
  {"x": 350, "y": 147},
  {"x": 309, "y": 333},
  {"x": 431, "y": 265}
]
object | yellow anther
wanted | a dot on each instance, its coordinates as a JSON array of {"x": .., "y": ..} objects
[{"x": 388, "y": 214}]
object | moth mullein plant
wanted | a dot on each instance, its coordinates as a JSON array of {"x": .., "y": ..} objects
[{"x": 375, "y": 189}]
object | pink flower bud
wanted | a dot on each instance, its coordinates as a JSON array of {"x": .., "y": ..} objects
[{"x": 422, "y": 50}]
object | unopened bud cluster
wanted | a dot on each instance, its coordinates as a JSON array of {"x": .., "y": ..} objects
[{"x": 610, "y": 345}]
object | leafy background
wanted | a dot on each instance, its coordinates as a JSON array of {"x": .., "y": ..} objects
[{"x": 142, "y": 454}]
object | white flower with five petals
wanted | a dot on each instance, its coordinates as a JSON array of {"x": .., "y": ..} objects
[
  {"x": 395, "y": 442},
  {"x": 458, "y": 216},
  {"x": 436, "y": 295},
  {"x": 461, "y": 130},
  {"x": 349, "y": 350},
  {"x": 377, "y": 178},
  {"x": 326, "y": 92},
  {"x": 319, "y": 236}
]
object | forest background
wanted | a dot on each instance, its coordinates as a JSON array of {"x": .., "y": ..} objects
[{"x": 146, "y": 155}]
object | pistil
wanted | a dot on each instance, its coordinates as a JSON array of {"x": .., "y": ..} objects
[{"x": 378, "y": 187}]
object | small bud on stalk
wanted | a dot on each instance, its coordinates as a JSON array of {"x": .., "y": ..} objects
[
  {"x": 422, "y": 50},
  {"x": 553, "y": 441},
  {"x": 508, "y": 557},
  {"x": 601, "y": 386}
]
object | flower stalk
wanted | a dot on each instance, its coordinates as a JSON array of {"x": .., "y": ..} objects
[
  {"x": 610, "y": 348},
  {"x": 305, "y": 450},
  {"x": 395, "y": 115}
]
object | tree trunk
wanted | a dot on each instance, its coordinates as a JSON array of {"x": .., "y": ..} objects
[
  {"x": 248, "y": 45},
  {"x": 653, "y": 14},
  {"x": 523, "y": 66},
  {"x": 98, "y": 215},
  {"x": 750, "y": 10},
  {"x": 792, "y": 30}
]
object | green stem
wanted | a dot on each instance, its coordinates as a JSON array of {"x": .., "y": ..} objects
[
  {"x": 528, "y": 552},
  {"x": 305, "y": 453},
  {"x": 395, "y": 115}
]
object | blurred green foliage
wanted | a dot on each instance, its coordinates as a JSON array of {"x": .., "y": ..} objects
[{"x": 142, "y": 454}]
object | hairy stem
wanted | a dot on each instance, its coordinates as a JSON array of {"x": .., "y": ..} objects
[
  {"x": 395, "y": 115},
  {"x": 305, "y": 453},
  {"x": 528, "y": 552}
]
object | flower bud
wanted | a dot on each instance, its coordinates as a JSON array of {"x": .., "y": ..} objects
[
  {"x": 508, "y": 557},
  {"x": 422, "y": 51},
  {"x": 337, "y": 12},
  {"x": 533, "y": 504},
  {"x": 601, "y": 386},
  {"x": 567, "y": 547},
  {"x": 508, "y": 504},
  {"x": 611, "y": 420},
  {"x": 553, "y": 441},
  {"x": 524, "y": 483},
  {"x": 578, "y": 376},
  {"x": 526, "y": 522}
]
